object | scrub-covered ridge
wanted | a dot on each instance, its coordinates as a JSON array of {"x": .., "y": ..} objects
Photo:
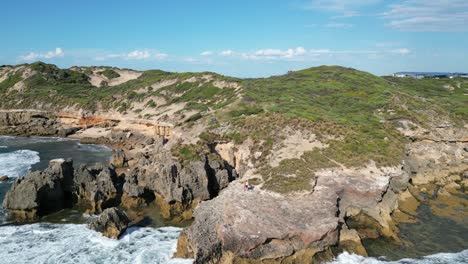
[{"x": 282, "y": 169}]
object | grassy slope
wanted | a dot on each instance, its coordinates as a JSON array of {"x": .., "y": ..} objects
[{"x": 345, "y": 103}]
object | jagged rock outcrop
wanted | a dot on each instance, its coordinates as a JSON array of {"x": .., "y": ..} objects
[
  {"x": 59, "y": 186},
  {"x": 22, "y": 122},
  {"x": 112, "y": 222},
  {"x": 40, "y": 193},
  {"x": 97, "y": 187},
  {"x": 177, "y": 186}
]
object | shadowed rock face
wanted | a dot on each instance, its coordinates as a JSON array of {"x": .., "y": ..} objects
[
  {"x": 112, "y": 222},
  {"x": 178, "y": 184},
  {"x": 97, "y": 187},
  {"x": 59, "y": 186},
  {"x": 40, "y": 193}
]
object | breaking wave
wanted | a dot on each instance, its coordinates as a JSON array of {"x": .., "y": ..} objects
[
  {"x": 71, "y": 243},
  {"x": 17, "y": 163},
  {"x": 440, "y": 258}
]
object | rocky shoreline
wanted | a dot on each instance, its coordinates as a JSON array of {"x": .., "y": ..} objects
[{"x": 232, "y": 225}]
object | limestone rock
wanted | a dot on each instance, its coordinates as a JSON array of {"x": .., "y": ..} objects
[
  {"x": 351, "y": 242},
  {"x": 97, "y": 187},
  {"x": 40, "y": 193},
  {"x": 119, "y": 159},
  {"x": 40, "y": 123},
  {"x": 260, "y": 225},
  {"x": 178, "y": 183},
  {"x": 112, "y": 222}
]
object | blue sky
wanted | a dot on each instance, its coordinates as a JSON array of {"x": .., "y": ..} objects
[{"x": 238, "y": 38}]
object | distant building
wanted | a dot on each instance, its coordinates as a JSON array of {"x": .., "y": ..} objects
[{"x": 435, "y": 75}]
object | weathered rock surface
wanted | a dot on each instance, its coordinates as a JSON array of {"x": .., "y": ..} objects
[
  {"x": 4, "y": 178},
  {"x": 59, "y": 186},
  {"x": 112, "y": 222},
  {"x": 119, "y": 159},
  {"x": 97, "y": 187},
  {"x": 178, "y": 185},
  {"x": 261, "y": 225},
  {"x": 40, "y": 123},
  {"x": 40, "y": 193}
]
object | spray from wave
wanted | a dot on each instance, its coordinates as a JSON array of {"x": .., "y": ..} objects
[
  {"x": 69, "y": 243},
  {"x": 17, "y": 163},
  {"x": 441, "y": 258}
]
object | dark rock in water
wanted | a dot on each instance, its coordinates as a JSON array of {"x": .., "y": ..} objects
[
  {"x": 112, "y": 222},
  {"x": 97, "y": 187},
  {"x": 67, "y": 131},
  {"x": 4, "y": 178},
  {"x": 119, "y": 159},
  {"x": 40, "y": 193}
]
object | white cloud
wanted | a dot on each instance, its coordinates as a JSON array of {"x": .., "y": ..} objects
[
  {"x": 206, "y": 53},
  {"x": 339, "y": 25},
  {"x": 346, "y": 8},
  {"x": 57, "y": 53},
  {"x": 301, "y": 53},
  {"x": 402, "y": 51},
  {"x": 226, "y": 53},
  {"x": 276, "y": 54},
  {"x": 422, "y": 15},
  {"x": 135, "y": 55}
]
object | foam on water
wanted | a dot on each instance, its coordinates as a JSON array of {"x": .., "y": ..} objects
[
  {"x": 17, "y": 163},
  {"x": 441, "y": 258},
  {"x": 70, "y": 243}
]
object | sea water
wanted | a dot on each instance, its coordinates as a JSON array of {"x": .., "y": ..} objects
[{"x": 46, "y": 242}]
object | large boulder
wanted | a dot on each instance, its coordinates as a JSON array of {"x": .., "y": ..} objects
[
  {"x": 97, "y": 187},
  {"x": 40, "y": 193},
  {"x": 262, "y": 226},
  {"x": 112, "y": 222}
]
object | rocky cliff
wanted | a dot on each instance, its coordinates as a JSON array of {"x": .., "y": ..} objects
[{"x": 331, "y": 155}]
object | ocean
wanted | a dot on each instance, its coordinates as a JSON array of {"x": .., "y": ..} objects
[{"x": 66, "y": 239}]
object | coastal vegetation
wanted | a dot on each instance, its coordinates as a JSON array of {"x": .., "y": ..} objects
[{"x": 349, "y": 111}]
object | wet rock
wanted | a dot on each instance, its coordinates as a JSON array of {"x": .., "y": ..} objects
[
  {"x": 97, "y": 187},
  {"x": 65, "y": 132},
  {"x": 112, "y": 222},
  {"x": 40, "y": 193},
  {"x": 351, "y": 242},
  {"x": 3, "y": 178},
  {"x": 133, "y": 194}
]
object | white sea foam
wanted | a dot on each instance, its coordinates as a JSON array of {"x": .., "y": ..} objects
[
  {"x": 441, "y": 258},
  {"x": 69, "y": 243},
  {"x": 17, "y": 163}
]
